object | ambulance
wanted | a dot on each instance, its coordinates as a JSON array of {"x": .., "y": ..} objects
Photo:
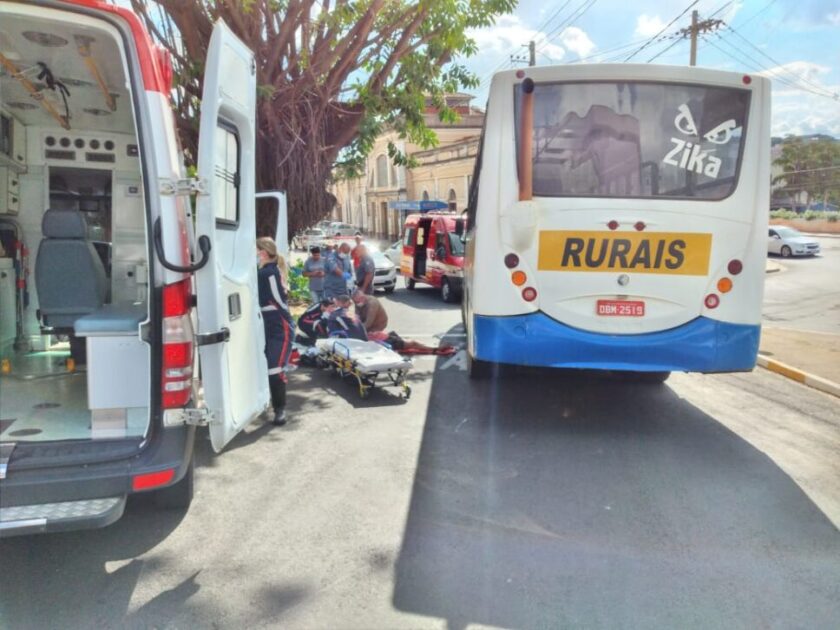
[
  {"x": 433, "y": 252},
  {"x": 130, "y": 319}
]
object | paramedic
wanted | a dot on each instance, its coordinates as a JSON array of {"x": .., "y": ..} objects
[
  {"x": 365, "y": 271},
  {"x": 313, "y": 323},
  {"x": 313, "y": 269},
  {"x": 344, "y": 324},
  {"x": 370, "y": 311},
  {"x": 279, "y": 327},
  {"x": 338, "y": 269}
]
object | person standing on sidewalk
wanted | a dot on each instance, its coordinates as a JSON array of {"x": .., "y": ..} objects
[
  {"x": 338, "y": 269},
  {"x": 278, "y": 323},
  {"x": 313, "y": 269},
  {"x": 365, "y": 271}
]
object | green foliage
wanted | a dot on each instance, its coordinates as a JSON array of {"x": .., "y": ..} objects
[
  {"x": 832, "y": 217},
  {"x": 298, "y": 284},
  {"x": 781, "y": 213},
  {"x": 811, "y": 167},
  {"x": 810, "y": 215}
]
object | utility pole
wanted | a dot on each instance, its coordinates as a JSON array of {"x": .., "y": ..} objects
[
  {"x": 705, "y": 26},
  {"x": 532, "y": 55}
]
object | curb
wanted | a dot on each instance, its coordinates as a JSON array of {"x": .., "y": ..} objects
[{"x": 816, "y": 382}]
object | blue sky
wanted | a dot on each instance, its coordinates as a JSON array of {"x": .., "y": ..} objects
[{"x": 794, "y": 42}]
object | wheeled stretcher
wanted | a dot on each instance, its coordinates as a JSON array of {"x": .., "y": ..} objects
[{"x": 366, "y": 361}]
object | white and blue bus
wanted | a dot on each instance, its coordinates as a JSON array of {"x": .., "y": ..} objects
[{"x": 617, "y": 220}]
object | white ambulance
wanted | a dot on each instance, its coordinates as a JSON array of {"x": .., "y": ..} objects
[{"x": 126, "y": 320}]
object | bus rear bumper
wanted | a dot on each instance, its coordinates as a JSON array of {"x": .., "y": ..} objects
[{"x": 701, "y": 345}]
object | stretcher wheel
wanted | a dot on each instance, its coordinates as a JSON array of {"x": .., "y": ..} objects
[
  {"x": 406, "y": 392},
  {"x": 364, "y": 392}
]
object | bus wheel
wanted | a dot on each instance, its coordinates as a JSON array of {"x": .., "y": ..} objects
[
  {"x": 178, "y": 496},
  {"x": 409, "y": 283},
  {"x": 651, "y": 377},
  {"x": 478, "y": 369},
  {"x": 786, "y": 252}
]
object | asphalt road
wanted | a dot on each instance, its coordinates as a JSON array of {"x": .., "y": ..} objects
[
  {"x": 805, "y": 295},
  {"x": 537, "y": 499}
]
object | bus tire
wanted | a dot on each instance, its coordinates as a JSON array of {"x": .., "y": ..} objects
[
  {"x": 786, "y": 252},
  {"x": 446, "y": 291},
  {"x": 409, "y": 283},
  {"x": 478, "y": 369},
  {"x": 177, "y": 496}
]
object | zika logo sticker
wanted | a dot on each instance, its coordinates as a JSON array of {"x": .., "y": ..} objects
[{"x": 689, "y": 155}]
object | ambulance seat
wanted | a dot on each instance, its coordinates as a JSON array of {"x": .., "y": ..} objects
[{"x": 69, "y": 274}]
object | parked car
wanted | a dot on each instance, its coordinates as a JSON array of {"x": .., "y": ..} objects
[
  {"x": 342, "y": 229},
  {"x": 787, "y": 241},
  {"x": 385, "y": 276},
  {"x": 394, "y": 253},
  {"x": 310, "y": 238}
]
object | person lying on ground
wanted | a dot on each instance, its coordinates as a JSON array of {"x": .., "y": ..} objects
[
  {"x": 344, "y": 324},
  {"x": 371, "y": 311}
]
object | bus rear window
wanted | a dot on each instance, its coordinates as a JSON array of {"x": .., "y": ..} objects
[{"x": 598, "y": 139}]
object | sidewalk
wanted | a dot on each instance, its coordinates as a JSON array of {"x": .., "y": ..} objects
[{"x": 808, "y": 357}]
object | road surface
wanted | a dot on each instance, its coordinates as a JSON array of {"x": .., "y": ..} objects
[{"x": 539, "y": 499}]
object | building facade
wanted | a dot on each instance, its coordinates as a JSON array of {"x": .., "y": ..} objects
[{"x": 441, "y": 174}]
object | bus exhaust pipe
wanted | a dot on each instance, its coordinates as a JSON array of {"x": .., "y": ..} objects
[{"x": 526, "y": 135}]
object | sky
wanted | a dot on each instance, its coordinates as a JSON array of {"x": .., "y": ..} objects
[{"x": 796, "y": 43}]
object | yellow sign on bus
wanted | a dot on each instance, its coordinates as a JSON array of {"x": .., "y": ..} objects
[{"x": 649, "y": 252}]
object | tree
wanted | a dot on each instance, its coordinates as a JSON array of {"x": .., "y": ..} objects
[
  {"x": 331, "y": 75},
  {"x": 810, "y": 167}
]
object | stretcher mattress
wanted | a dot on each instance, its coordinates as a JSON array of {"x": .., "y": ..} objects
[{"x": 369, "y": 356}]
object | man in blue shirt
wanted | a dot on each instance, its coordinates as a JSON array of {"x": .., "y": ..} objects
[
  {"x": 343, "y": 324},
  {"x": 313, "y": 269},
  {"x": 338, "y": 268},
  {"x": 365, "y": 271}
]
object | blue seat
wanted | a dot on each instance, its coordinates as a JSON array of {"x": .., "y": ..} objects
[{"x": 69, "y": 274}]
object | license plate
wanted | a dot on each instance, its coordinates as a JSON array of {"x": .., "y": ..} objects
[{"x": 620, "y": 308}]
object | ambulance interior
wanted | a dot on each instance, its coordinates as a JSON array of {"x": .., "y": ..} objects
[{"x": 73, "y": 239}]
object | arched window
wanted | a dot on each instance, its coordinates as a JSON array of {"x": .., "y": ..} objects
[
  {"x": 425, "y": 195},
  {"x": 453, "y": 200},
  {"x": 381, "y": 172},
  {"x": 394, "y": 181}
]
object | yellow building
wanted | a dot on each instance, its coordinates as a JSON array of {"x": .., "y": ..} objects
[{"x": 442, "y": 173}]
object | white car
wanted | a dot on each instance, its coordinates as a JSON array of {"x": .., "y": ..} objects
[
  {"x": 787, "y": 242},
  {"x": 341, "y": 229},
  {"x": 385, "y": 276},
  {"x": 394, "y": 253},
  {"x": 310, "y": 238}
]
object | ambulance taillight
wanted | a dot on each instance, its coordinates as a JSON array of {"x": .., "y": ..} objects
[{"x": 176, "y": 380}]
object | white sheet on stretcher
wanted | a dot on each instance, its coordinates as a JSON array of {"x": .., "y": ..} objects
[{"x": 368, "y": 355}]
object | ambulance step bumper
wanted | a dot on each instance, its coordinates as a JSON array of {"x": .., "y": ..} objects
[{"x": 55, "y": 517}]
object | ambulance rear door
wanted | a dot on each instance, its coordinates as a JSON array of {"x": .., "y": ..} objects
[{"x": 231, "y": 337}]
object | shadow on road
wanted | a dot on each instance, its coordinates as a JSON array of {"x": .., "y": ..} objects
[{"x": 542, "y": 499}]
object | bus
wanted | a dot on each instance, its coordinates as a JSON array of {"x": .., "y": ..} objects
[{"x": 617, "y": 219}]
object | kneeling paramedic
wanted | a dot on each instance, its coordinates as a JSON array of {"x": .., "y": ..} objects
[{"x": 279, "y": 326}]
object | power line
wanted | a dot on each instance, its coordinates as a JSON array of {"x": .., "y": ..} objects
[
  {"x": 757, "y": 13},
  {"x": 662, "y": 52},
  {"x": 777, "y": 63},
  {"x": 667, "y": 26},
  {"x": 576, "y": 14},
  {"x": 773, "y": 74}
]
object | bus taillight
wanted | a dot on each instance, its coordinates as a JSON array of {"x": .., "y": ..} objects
[
  {"x": 529, "y": 294},
  {"x": 735, "y": 267},
  {"x": 511, "y": 261},
  {"x": 724, "y": 285},
  {"x": 518, "y": 278},
  {"x": 712, "y": 301}
]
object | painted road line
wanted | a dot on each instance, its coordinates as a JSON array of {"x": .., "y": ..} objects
[{"x": 811, "y": 380}]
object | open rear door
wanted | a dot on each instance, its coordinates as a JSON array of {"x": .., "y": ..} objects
[{"x": 233, "y": 366}]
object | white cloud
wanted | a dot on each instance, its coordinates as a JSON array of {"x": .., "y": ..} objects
[
  {"x": 834, "y": 18},
  {"x": 649, "y": 25},
  {"x": 510, "y": 36},
  {"x": 576, "y": 40},
  {"x": 800, "y": 111}
]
